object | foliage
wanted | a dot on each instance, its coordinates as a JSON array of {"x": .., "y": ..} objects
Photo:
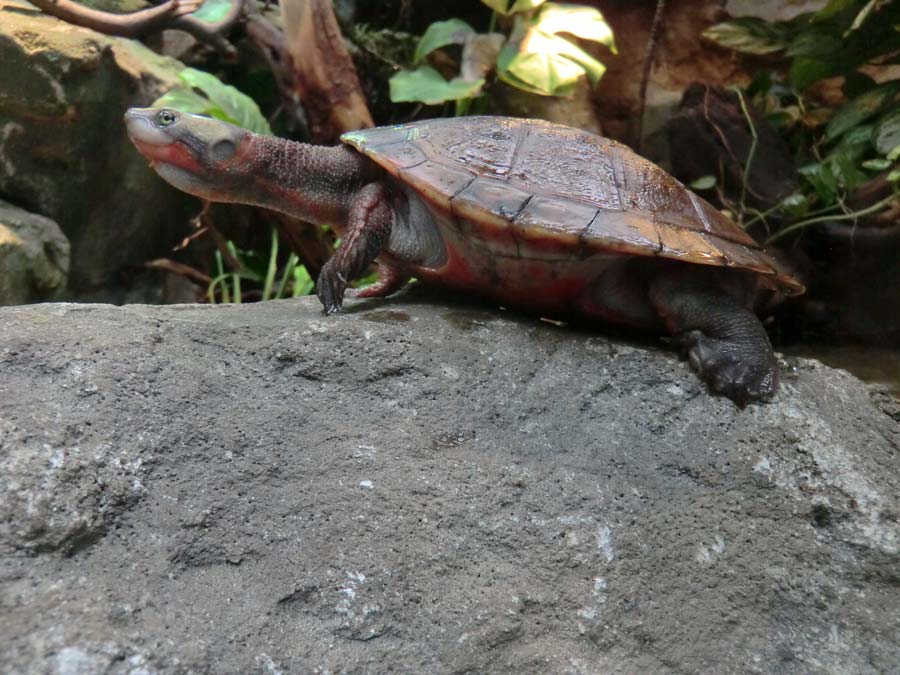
[
  {"x": 838, "y": 148},
  {"x": 227, "y": 286},
  {"x": 205, "y": 94},
  {"x": 535, "y": 57}
]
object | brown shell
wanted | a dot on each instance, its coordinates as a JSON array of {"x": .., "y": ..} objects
[{"x": 559, "y": 186}]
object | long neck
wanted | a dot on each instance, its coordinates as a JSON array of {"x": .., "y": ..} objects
[{"x": 311, "y": 182}]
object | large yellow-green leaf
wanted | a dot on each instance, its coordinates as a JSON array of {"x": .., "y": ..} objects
[
  {"x": 440, "y": 34},
  {"x": 539, "y": 60},
  {"x": 506, "y": 7},
  {"x": 584, "y": 22},
  {"x": 426, "y": 85}
]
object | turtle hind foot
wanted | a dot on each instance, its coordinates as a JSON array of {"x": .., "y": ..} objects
[{"x": 730, "y": 368}]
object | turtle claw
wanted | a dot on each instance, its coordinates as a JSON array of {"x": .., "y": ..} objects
[
  {"x": 730, "y": 369},
  {"x": 330, "y": 289}
]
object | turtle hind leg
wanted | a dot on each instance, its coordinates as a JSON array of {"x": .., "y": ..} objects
[
  {"x": 722, "y": 339},
  {"x": 390, "y": 280}
]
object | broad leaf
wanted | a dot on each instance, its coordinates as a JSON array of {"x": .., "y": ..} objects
[
  {"x": 440, "y": 34},
  {"x": 795, "y": 205},
  {"x": 844, "y": 169},
  {"x": 546, "y": 64},
  {"x": 507, "y": 7},
  {"x": 822, "y": 180},
  {"x": 213, "y": 11},
  {"x": 427, "y": 85},
  {"x": 814, "y": 42},
  {"x": 887, "y": 132},
  {"x": 584, "y": 22},
  {"x": 237, "y": 108},
  {"x": 833, "y": 8},
  {"x": 749, "y": 35},
  {"x": 807, "y": 70},
  {"x": 861, "y": 108},
  {"x": 185, "y": 100}
]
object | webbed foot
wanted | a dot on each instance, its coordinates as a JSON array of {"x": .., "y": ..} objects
[{"x": 730, "y": 368}]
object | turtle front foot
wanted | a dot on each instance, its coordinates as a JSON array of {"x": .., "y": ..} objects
[
  {"x": 730, "y": 368},
  {"x": 330, "y": 288}
]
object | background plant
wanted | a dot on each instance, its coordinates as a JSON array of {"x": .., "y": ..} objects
[
  {"x": 842, "y": 146},
  {"x": 534, "y": 57}
]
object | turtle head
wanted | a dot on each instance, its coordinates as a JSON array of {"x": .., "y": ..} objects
[{"x": 198, "y": 155}]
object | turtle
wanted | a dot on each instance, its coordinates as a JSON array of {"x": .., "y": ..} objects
[{"x": 527, "y": 213}]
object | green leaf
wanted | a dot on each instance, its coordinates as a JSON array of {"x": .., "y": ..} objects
[
  {"x": 844, "y": 169},
  {"x": 795, "y": 205},
  {"x": 814, "y": 42},
  {"x": 440, "y": 34},
  {"x": 704, "y": 183},
  {"x": 584, "y": 22},
  {"x": 749, "y": 35},
  {"x": 212, "y": 11},
  {"x": 184, "y": 100},
  {"x": 427, "y": 85},
  {"x": 894, "y": 176},
  {"x": 303, "y": 283},
  {"x": 894, "y": 154},
  {"x": 877, "y": 164},
  {"x": 861, "y": 108},
  {"x": 226, "y": 102},
  {"x": 507, "y": 7},
  {"x": 822, "y": 180},
  {"x": 855, "y": 143},
  {"x": 806, "y": 71},
  {"x": 546, "y": 64},
  {"x": 833, "y": 8},
  {"x": 887, "y": 132}
]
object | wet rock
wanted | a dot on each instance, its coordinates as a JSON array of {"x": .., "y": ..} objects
[
  {"x": 420, "y": 486},
  {"x": 64, "y": 152},
  {"x": 34, "y": 257}
]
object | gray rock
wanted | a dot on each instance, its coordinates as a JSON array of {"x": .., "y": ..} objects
[
  {"x": 423, "y": 487},
  {"x": 34, "y": 257},
  {"x": 63, "y": 148}
]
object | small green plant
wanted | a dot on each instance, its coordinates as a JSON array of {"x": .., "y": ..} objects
[
  {"x": 535, "y": 57},
  {"x": 836, "y": 149},
  {"x": 227, "y": 286}
]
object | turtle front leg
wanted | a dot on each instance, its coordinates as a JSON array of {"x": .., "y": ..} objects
[
  {"x": 723, "y": 340},
  {"x": 368, "y": 229}
]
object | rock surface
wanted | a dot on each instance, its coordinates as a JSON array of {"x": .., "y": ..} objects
[
  {"x": 34, "y": 257},
  {"x": 425, "y": 487},
  {"x": 63, "y": 148}
]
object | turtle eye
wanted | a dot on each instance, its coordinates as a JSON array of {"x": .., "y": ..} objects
[{"x": 165, "y": 118}]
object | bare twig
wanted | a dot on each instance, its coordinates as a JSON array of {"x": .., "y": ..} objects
[
  {"x": 652, "y": 41},
  {"x": 179, "y": 269}
]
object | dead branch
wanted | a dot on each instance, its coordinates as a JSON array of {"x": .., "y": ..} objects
[
  {"x": 179, "y": 269},
  {"x": 325, "y": 79},
  {"x": 652, "y": 41}
]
